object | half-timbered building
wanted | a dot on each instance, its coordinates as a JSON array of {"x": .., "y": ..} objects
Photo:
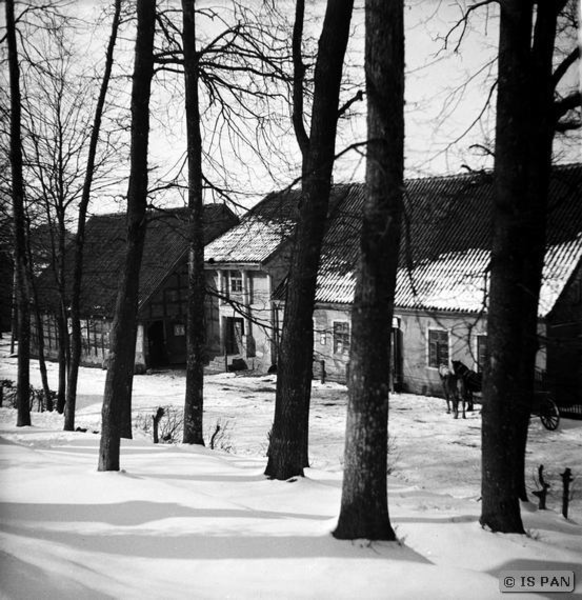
[{"x": 163, "y": 284}]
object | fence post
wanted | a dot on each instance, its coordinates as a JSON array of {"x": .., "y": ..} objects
[
  {"x": 566, "y": 479},
  {"x": 156, "y": 419},
  {"x": 542, "y": 494}
]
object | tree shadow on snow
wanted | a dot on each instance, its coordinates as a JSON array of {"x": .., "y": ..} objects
[
  {"x": 218, "y": 538},
  {"x": 132, "y": 513}
]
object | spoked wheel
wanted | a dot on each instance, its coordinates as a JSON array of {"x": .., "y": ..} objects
[{"x": 549, "y": 413}]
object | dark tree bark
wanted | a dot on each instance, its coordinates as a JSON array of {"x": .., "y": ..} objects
[
  {"x": 524, "y": 135},
  {"x": 76, "y": 343},
  {"x": 48, "y": 402},
  {"x": 364, "y": 506},
  {"x": 118, "y": 383},
  {"x": 21, "y": 261},
  {"x": 289, "y": 437},
  {"x": 63, "y": 333},
  {"x": 195, "y": 329}
]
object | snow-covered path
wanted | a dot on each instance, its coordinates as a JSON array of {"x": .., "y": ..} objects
[{"x": 183, "y": 522}]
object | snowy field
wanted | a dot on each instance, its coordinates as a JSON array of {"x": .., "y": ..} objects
[{"x": 184, "y": 522}]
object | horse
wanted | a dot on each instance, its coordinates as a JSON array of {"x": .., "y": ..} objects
[
  {"x": 471, "y": 381},
  {"x": 451, "y": 389}
]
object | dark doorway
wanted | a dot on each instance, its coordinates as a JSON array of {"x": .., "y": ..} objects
[
  {"x": 157, "y": 356},
  {"x": 396, "y": 360},
  {"x": 176, "y": 342},
  {"x": 234, "y": 331}
]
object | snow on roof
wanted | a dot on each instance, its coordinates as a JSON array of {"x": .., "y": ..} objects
[
  {"x": 252, "y": 241},
  {"x": 263, "y": 230},
  {"x": 260, "y": 232},
  {"x": 455, "y": 281},
  {"x": 444, "y": 255},
  {"x": 560, "y": 262}
]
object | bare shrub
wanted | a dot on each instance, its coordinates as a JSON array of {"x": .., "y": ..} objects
[
  {"x": 221, "y": 438},
  {"x": 170, "y": 424},
  {"x": 9, "y": 393}
]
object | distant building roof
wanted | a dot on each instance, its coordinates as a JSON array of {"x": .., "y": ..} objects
[
  {"x": 260, "y": 232},
  {"x": 444, "y": 255},
  {"x": 165, "y": 246},
  {"x": 263, "y": 229}
]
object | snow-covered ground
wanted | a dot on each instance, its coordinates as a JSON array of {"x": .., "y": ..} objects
[{"x": 189, "y": 522}]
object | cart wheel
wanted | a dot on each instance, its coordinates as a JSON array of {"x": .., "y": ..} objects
[{"x": 549, "y": 414}]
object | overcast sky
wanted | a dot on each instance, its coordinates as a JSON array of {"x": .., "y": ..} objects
[{"x": 447, "y": 87}]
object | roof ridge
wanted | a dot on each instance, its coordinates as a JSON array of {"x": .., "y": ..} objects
[{"x": 170, "y": 211}]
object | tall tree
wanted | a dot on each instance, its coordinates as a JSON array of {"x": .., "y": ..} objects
[
  {"x": 55, "y": 131},
  {"x": 195, "y": 329},
  {"x": 56, "y": 136},
  {"x": 21, "y": 261},
  {"x": 364, "y": 506},
  {"x": 523, "y": 152},
  {"x": 235, "y": 77},
  {"x": 579, "y": 12},
  {"x": 75, "y": 308},
  {"x": 118, "y": 383},
  {"x": 289, "y": 436}
]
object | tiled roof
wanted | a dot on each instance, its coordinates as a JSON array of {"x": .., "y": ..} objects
[
  {"x": 165, "y": 246},
  {"x": 260, "y": 232},
  {"x": 263, "y": 230},
  {"x": 445, "y": 245}
]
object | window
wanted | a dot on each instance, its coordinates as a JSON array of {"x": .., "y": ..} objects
[
  {"x": 172, "y": 295},
  {"x": 481, "y": 352},
  {"x": 341, "y": 338},
  {"x": 438, "y": 348},
  {"x": 236, "y": 284},
  {"x": 179, "y": 329}
]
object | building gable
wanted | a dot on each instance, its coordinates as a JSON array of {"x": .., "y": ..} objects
[{"x": 165, "y": 247}]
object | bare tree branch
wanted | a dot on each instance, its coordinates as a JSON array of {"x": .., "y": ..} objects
[
  {"x": 463, "y": 22},
  {"x": 569, "y": 102},
  {"x": 563, "y": 67},
  {"x": 299, "y": 79},
  {"x": 358, "y": 97}
]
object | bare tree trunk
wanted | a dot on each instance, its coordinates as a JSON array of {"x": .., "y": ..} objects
[
  {"x": 48, "y": 402},
  {"x": 21, "y": 261},
  {"x": 525, "y": 129},
  {"x": 39, "y": 327},
  {"x": 541, "y": 131},
  {"x": 14, "y": 308},
  {"x": 288, "y": 453},
  {"x": 76, "y": 341},
  {"x": 364, "y": 506},
  {"x": 195, "y": 330},
  {"x": 118, "y": 383},
  {"x": 63, "y": 334},
  {"x": 580, "y": 46}
]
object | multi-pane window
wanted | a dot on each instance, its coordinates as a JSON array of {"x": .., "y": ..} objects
[
  {"x": 341, "y": 337},
  {"x": 438, "y": 348},
  {"x": 236, "y": 283},
  {"x": 481, "y": 352}
]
